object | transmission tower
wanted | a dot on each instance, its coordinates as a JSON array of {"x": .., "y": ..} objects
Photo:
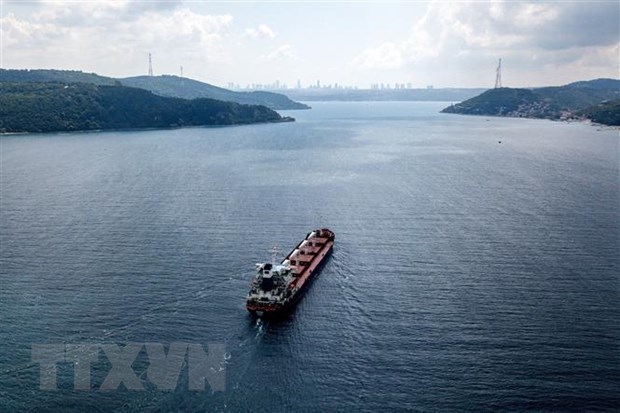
[
  {"x": 150, "y": 65},
  {"x": 181, "y": 71},
  {"x": 498, "y": 75}
]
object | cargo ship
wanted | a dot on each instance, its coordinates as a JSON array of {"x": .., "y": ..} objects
[{"x": 276, "y": 287}]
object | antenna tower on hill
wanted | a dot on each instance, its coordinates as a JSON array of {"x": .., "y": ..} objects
[
  {"x": 150, "y": 65},
  {"x": 498, "y": 75}
]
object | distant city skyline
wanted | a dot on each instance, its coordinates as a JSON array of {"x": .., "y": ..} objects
[
  {"x": 277, "y": 85},
  {"x": 297, "y": 43}
]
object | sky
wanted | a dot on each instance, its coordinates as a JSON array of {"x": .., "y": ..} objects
[{"x": 356, "y": 43}]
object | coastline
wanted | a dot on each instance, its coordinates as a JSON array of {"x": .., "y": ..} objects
[
  {"x": 284, "y": 119},
  {"x": 583, "y": 121}
]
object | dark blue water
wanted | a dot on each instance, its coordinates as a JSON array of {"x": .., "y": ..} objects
[{"x": 467, "y": 275}]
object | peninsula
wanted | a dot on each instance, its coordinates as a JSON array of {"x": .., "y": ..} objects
[
  {"x": 59, "y": 107},
  {"x": 166, "y": 85},
  {"x": 597, "y": 100}
]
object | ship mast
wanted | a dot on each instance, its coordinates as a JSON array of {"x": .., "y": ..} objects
[{"x": 274, "y": 254}]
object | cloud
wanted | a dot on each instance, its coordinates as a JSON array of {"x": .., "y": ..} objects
[
  {"x": 553, "y": 25},
  {"x": 114, "y": 32},
  {"x": 553, "y": 32},
  {"x": 449, "y": 43},
  {"x": 22, "y": 33},
  {"x": 179, "y": 27},
  {"x": 263, "y": 31},
  {"x": 88, "y": 12},
  {"x": 386, "y": 56},
  {"x": 283, "y": 52}
]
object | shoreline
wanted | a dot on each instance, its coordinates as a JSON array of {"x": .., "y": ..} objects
[
  {"x": 584, "y": 121},
  {"x": 285, "y": 119}
]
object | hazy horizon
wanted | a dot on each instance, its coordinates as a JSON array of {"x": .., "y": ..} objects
[{"x": 444, "y": 44}]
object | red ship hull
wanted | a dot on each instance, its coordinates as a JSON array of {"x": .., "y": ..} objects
[{"x": 307, "y": 261}]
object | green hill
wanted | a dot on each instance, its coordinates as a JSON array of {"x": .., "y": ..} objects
[
  {"x": 548, "y": 102},
  {"x": 53, "y": 107},
  {"x": 169, "y": 86},
  {"x": 606, "y": 113},
  {"x": 181, "y": 87},
  {"x": 51, "y": 75},
  {"x": 596, "y": 84}
]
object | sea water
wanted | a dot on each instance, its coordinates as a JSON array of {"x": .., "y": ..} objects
[{"x": 475, "y": 267}]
